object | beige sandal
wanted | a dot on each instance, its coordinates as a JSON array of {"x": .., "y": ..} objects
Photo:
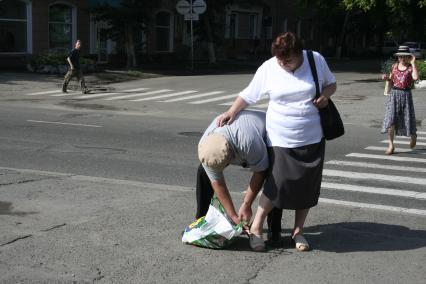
[
  {"x": 256, "y": 243},
  {"x": 300, "y": 243},
  {"x": 390, "y": 151}
]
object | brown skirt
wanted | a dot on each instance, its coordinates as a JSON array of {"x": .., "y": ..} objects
[{"x": 294, "y": 176}]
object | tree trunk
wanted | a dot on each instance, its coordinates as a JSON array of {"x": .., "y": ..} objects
[
  {"x": 342, "y": 35},
  {"x": 210, "y": 41},
  {"x": 130, "y": 47}
]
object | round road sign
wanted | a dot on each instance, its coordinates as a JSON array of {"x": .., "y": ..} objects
[
  {"x": 183, "y": 7},
  {"x": 199, "y": 6}
]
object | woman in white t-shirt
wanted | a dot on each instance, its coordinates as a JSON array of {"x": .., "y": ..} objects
[{"x": 294, "y": 135}]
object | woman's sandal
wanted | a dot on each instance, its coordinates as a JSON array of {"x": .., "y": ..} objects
[
  {"x": 390, "y": 151},
  {"x": 257, "y": 243},
  {"x": 413, "y": 141},
  {"x": 300, "y": 243}
]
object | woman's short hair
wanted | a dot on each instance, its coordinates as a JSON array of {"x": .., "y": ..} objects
[{"x": 286, "y": 45}]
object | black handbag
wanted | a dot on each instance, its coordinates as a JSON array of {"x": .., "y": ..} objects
[{"x": 331, "y": 122}]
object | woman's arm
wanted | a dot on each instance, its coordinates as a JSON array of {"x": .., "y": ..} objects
[
  {"x": 415, "y": 73},
  {"x": 228, "y": 116},
  {"x": 326, "y": 93}
]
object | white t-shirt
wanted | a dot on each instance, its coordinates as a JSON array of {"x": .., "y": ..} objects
[
  {"x": 246, "y": 135},
  {"x": 292, "y": 120}
]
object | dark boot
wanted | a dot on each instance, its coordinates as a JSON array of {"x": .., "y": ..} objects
[{"x": 64, "y": 88}]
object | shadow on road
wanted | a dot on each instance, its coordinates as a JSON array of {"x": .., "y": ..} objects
[{"x": 364, "y": 236}]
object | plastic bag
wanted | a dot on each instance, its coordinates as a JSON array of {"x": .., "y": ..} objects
[
  {"x": 388, "y": 87},
  {"x": 214, "y": 230}
]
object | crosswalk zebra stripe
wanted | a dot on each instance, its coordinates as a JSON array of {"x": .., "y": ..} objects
[
  {"x": 44, "y": 93},
  {"x": 138, "y": 95},
  {"x": 374, "y": 190},
  {"x": 96, "y": 96},
  {"x": 386, "y": 157},
  {"x": 399, "y": 142},
  {"x": 135, "y": 90},
  {"x": 421, "y": 132},
  {"x": 373, "y": 206},
  {"x": 397, "y": 150},
  {"x": 193, "y": 97},
  {"x": 165, "y": 96},
  {"x": 63, "y": 94},
  {"x": 369, "y": 176},
  {"x": 418, "y": 137},
  {"x": 376, "y": 166},
  {"x": 214, "y": 99}
]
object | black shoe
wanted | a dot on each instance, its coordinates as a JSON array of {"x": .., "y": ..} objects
[
  {"x": 275, "y": 240},
  {"x": 64, "y": 91}
]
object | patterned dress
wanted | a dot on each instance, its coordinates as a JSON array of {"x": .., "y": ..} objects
[{"x": 399, "y": 107}]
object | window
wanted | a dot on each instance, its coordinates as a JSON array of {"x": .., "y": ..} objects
[
  {"x": 14, "y": 26},
  {"x": 60, "y": 27},
  {"x": 243, "y": 25},
  {"x": 163, "y": 31}
]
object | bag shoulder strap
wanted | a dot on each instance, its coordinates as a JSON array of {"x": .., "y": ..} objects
[{"x": 314, "y": 71}]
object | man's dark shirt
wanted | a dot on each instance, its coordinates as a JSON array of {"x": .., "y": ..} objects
[{"x": 74, "y": 56}]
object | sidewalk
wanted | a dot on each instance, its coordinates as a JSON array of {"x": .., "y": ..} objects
[{"x": 63, "y": 228}]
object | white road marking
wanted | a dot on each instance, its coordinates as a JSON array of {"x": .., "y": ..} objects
[
  {"x": 96, "y": 96},
  {"x": 64, "y": 95},
  {"x": 373, "y": 206},
  {"x": 375, "y": 148},
  {"x": 408, "y": 138},
  {"x": 135, "y": 90},
  {"x": 63, "y": 123},
  {"x": 44, "y": 93},
  {"x": 369, "y": 176},
  {"x": 399, "y": 142},
  {"x": 214, "y": 99},
  {"x": 374, "y": 190},
  {"x": 138, "y": 95},
  {"x": 376, "y": 166},
  {"x": 387, "y": 157},
  {"x": 194, "y": 96},
  {"x": 168, "y": 187},
  {"x": 421, "y": 132},
  {"x": 165, "y": 96}
]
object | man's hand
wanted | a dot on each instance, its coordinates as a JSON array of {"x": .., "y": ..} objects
[
  {"x": 235, "y": 219},
  {"x": 245, "y": 213}
]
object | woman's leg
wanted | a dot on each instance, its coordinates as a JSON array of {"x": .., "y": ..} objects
[
  {"x": 391, "y": 135},
  {"x": 413, "y": 141},
  {"x": 265, "y": 206},
  {"x": 299, "y": 221}
]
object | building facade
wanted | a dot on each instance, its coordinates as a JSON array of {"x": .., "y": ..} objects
[{"x": 32, "y": 27}]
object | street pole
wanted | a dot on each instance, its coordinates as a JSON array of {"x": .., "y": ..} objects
[{"x": 192, "y": 40}]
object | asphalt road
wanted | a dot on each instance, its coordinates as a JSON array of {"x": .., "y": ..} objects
[{"x": 115, "y": 170}]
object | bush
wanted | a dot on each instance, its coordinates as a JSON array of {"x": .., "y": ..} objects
[
  {"x": 56, "y": 59},
  {"x": 421, "y": 67}
]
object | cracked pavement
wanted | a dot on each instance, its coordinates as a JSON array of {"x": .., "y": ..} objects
[{"x": 63, "y": 228}]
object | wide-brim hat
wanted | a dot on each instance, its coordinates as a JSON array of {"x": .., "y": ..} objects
[
  {"x": 403, "y": 51},
  {"x": 215, "y": 152}
]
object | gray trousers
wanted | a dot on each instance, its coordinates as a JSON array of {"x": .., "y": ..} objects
[{"x": 74, "y": 73}]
